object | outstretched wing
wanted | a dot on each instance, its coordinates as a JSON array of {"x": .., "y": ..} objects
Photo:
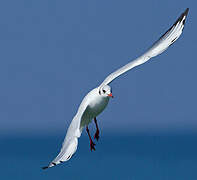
[
  {"x": 157, "y": 48},
  {"x": 69, "y": 146}
]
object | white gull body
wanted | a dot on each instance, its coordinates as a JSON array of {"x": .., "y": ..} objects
[{"x": 97, "y": 99}]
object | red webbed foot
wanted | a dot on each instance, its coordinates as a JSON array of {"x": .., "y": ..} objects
[
  {"x": 96, "y": 136},
  {"x": 92, "y": 144}
]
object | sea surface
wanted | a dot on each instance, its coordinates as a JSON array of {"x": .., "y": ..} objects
[{"x": 117, "y": 157}]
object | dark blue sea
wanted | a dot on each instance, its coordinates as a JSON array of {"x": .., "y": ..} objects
[{"x": 117, "y": 157}]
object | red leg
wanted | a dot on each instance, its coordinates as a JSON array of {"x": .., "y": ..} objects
[
  {"x": 97, "y": 130},
  {"x": 91, "y": 142}
]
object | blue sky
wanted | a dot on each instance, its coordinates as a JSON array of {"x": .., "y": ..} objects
[{"x": 54, "y": 52}]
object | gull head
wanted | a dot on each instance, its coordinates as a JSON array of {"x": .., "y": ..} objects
[{"x": 106, "y": 91}]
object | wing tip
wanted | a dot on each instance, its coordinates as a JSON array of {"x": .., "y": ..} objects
[
  {"x": 49, "y": 166},
  {"x": 186, "y": 12},
  {"x": 182, "y": 17},
  {"x": 45, "y": 167}
]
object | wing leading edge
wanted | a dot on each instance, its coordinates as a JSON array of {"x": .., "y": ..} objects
[{"x": 166, "y": 40}]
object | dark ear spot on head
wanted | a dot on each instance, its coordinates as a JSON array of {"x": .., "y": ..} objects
[{"x": 100, "y": 92}]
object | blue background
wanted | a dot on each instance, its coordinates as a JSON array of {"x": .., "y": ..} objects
[{"x": 54, "y": 52}]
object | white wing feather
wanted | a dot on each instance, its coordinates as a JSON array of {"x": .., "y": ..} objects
[
  {"x": 69, "y": 146},
  {"x": 158, "y": 47}
]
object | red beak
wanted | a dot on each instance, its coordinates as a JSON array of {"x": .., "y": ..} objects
[{"x": 110, "y": 95}]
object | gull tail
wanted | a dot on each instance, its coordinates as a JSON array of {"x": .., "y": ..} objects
[{"x": 69, "y": 145}]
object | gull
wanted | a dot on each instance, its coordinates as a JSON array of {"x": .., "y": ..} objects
[{"x": 97, "y": 99}]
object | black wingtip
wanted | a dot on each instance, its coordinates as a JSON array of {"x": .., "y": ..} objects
[
  {"x": 45, "y": 167},
  {"x": 54, "y": 163},
  {"x": 184, "y": 15},
  {"x": 186, "y": 12}
]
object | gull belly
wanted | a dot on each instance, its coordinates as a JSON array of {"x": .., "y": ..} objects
[{"x": 96, "y": 104}]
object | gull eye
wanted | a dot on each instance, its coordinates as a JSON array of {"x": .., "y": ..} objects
[{"x": 104, "y": 91}]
